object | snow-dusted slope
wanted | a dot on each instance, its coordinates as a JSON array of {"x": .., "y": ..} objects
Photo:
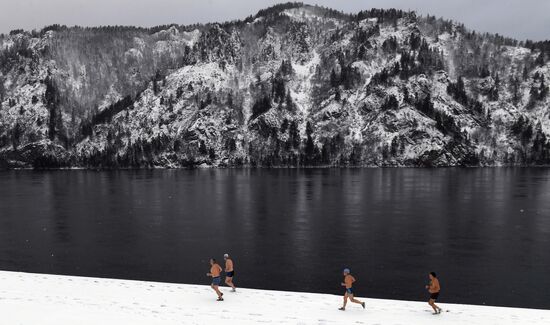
[
  {"x": 31, "y": 299},
  {"x": 294, "y": 85}
]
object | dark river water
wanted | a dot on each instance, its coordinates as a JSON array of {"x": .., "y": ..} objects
[{"x": 486, "y": 232}]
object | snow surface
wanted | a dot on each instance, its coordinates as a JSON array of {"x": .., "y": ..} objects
[{"x": 27, "y": 298}]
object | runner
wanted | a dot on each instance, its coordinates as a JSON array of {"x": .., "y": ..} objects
[
  {"x": 348, "y": 283},
  {"x": 434, "y": 289},
  {"x": 215, "y": 271},
  {"x": 229, "y": 272}
]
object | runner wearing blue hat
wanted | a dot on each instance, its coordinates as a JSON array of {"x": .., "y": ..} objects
[{"x": 348, "y": 283}]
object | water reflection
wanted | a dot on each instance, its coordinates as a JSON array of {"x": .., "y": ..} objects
[{"x": 486, "y": 231}]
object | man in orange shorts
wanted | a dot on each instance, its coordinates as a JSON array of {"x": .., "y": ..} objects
[
  {"x": 215, "y": 272},
  {"x": 229, "y": 272},
  {"x": 348, "y": 283}
]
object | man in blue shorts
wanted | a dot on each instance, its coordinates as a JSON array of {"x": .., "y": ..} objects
[
  {"x": 215, "y": 273},
  {"x": 348, "y": 283}
]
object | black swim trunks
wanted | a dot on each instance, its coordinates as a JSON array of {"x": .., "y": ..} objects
[{"x": 434, "y": 295}]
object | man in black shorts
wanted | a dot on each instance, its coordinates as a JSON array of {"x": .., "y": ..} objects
[
  {"x": 434, "y": 288},
  {"x": 229, "y": 272}
]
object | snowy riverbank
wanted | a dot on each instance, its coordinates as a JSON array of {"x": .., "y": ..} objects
[{"x": 49, "y": 299}]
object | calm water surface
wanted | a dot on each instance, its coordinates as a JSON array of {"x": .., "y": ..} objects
[{"x": 485, "y": 231}]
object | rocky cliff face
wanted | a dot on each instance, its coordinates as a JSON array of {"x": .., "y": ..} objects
[{"x": 294, "y": 85}]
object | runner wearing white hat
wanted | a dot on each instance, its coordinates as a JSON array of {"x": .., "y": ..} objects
[{"x": 229, "y": 272}]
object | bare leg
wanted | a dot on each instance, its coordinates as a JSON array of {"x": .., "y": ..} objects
[
  {"x": 345, "y": 301},
  {"x": 229, "y": 282},
  {"x": 352, "y": 298},
  {"x": 431, "y": 302},
  {"x": 215, "y": 287}
]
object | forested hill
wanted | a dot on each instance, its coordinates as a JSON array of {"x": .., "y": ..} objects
[{"x": 294, "y": 85}]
